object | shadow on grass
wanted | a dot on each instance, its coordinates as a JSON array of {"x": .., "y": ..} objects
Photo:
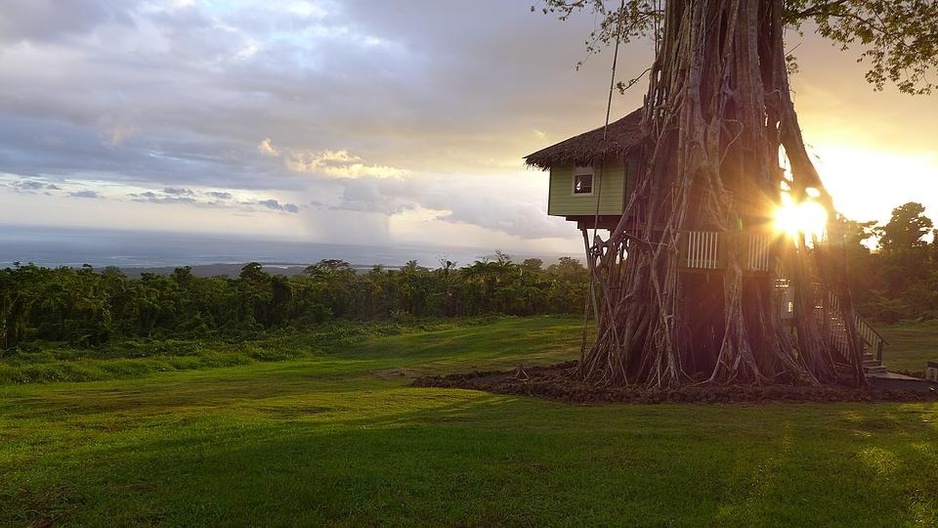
[{"x": 397, "y": 455}]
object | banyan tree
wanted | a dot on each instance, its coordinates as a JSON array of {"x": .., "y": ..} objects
[{"x": 693, "y": 277}]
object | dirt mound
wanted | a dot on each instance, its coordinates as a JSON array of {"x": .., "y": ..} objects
[{"x": 558, "y": 382}]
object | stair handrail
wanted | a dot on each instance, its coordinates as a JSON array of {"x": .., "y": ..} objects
[
  {"x": 864, "y": 326},
  {"x": 865, "y": 330}
]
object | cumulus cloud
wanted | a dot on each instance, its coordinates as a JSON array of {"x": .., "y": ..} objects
[
  {"x": 339, "y": 164},
  {"x": 267, "y": 148},
  {"x": 331, "y": 163}
]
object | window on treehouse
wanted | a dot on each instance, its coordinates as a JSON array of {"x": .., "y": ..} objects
[{"x": 583, "y": 181}]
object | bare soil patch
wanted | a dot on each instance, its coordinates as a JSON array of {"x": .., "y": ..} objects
[
  {"x": 395, "y": 373},
  {"x": 559, "y": 382}
]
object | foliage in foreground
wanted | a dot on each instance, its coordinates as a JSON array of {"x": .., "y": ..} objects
[{"x": 341, "y": 439}]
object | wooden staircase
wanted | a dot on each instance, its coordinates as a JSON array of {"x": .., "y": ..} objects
[
  {"x": 870, "y": 339},
  {"x": 871, "y": 365},
  {"x": 873, "y": 343}
]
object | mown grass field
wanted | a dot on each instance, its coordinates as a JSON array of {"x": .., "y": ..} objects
[
  {"x": 336, "y": 436},
  {"x": 911, "y": 346}
]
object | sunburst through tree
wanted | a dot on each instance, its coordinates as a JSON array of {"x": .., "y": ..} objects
[{"x": 714, "y": 252}]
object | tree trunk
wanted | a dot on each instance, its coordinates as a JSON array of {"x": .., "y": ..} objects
[{"x": 719, "y": 124}]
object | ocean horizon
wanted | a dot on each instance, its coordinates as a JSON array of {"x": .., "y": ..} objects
[{"x": 75, "y": 247}]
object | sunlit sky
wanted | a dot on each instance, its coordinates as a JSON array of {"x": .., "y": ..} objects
[{"x": 363, "y": 122}]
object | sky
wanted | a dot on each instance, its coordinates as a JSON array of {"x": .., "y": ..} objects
[{"x": 362, "y": 121}]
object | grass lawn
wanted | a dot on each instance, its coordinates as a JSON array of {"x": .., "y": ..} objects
[
  {"x": 911, "y": 346},
  {"x": 340, "y": 438}
]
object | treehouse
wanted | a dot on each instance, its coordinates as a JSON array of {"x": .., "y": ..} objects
[
  {"x": 593, "y": 175},
  {"x": 592, "y": 179}
]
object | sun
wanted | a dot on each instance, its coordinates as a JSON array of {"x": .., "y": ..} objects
[{"x": 808, "y": 218}]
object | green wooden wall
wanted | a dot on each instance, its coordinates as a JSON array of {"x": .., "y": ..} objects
[{"x": 562, "y": 202}]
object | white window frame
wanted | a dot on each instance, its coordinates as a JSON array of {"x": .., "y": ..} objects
[{"x": 583, "y": 171}]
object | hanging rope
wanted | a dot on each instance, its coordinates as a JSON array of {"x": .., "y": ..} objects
[
  {"x": 612, "y": 87},
  {"x": 599, "y": 191}
]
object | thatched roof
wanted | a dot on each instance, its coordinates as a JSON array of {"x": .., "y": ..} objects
[{"x": 588, "y": 147}]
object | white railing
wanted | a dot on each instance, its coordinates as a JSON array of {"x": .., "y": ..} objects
[
  {"x": 758, "y": 256},
  {"x": 873, "y": 342},
  {"x": 703, "y": 250}
]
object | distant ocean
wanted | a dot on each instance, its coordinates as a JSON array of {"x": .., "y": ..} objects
[{"x": 52, "y": 247}]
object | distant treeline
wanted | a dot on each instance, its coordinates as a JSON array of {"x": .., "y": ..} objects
[
  {"x": 84, "y": 307},
  {"x": 899, "y": 280}
]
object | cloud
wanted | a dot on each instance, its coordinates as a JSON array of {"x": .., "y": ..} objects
[
  {"x": 162, "y": 198},
  {"x": 339, "y": 164},
  {"x": 85, "y": 194},
  {"x": 51, "y": 21},
  {"x": 32, "y": 186},
  {"x": 117, "y": 124},
  {"x": 116, "y": 135},
  {"x": 178, "y": 191},
  {"x": 213, "y": 199},
  {"x": 171, "y": 86},
  {"x": 331, "y": 163},
  {"x": 484, "y": 201},
  {"x": 267, "y": 148},
  {"x": 275, "y": 205},
  {"x": 384, "y": 108}
]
